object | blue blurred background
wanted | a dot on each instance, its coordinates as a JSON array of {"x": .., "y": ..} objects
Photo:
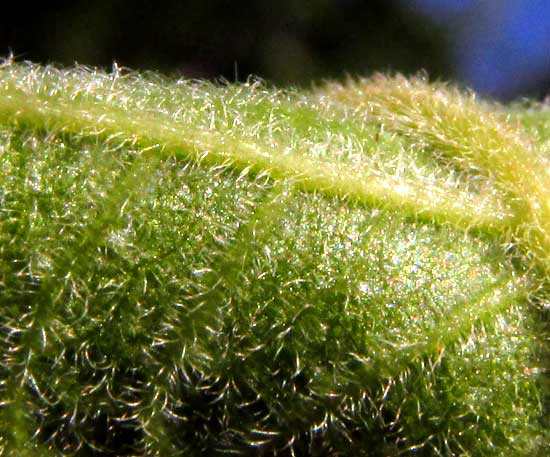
[
  {"x": 501, "y": 48},
  {"x": 498, "y": 47}
]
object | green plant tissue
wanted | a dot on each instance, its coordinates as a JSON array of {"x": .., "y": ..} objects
[{"x": 197, "y": 269}]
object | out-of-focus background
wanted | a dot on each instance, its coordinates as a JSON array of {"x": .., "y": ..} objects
[{"x": 500, "y": 48}]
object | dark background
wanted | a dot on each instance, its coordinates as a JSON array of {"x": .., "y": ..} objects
[{"x": 289, "y": 42}]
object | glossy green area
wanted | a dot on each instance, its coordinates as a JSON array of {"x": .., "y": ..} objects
[{"x": 162, "y": 295}]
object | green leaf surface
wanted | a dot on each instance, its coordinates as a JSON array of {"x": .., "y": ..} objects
[{"x": 197, "y": 269}]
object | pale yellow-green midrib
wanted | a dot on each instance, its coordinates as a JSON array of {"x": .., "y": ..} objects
[
  {"x": 417, "y": 199},
  {"x": 464, "y": 132}
]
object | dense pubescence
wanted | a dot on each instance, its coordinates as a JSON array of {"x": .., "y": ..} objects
[
  {"x": 156, "y": 302},
  {"x": 471, "y": 136},
  {"x": 251, "y": 129}
]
